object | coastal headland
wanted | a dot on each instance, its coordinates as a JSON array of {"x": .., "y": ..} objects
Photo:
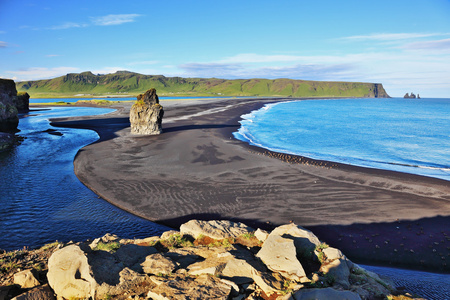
[{"x": 196, "y": 169}]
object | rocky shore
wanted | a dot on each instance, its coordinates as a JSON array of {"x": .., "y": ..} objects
[{"x": 204, "y": 260}]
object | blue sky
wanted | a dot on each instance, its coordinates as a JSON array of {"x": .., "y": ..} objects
[{"x": 403, "y": 44}]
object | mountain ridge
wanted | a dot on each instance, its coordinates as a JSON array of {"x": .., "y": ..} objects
[{"x": 130, "y": 83}]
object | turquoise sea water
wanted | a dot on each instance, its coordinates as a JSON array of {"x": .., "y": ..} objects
[{"x": 406, "y": 135}]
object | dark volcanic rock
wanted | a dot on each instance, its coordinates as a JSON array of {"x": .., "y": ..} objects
[
  {"x": 8, "y": 110},
  {"x": 23, "y": 101},
  {"x": 146, "y": 114}
]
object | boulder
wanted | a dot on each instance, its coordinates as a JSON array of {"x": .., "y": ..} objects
[
  {"x": 69, "y": 273},
  {"x": 158, "y": 264},
  {"x": 146, "y": 114},
  {"x": 199, "y": 287},
  {"x": 305, "y": 241},
  {"x": 23, "y": 102},
  {"x": 214, "y": 229},
  {"x": 8, "y": 110},
  {"x": 43, "y": 292},
  {"x": 261, "y": 235},
  {"x": 26, "y": 279},
  {"x": 325, "y": 294}
]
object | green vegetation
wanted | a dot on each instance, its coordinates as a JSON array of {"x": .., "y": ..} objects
[
  {"x": 129, "y": 83},
  {"x": 320, "y": 255},
  {"x": 176, "y": 241},
  {"x": 95, "y": 102},
  {"x": 110, "y": 247}
]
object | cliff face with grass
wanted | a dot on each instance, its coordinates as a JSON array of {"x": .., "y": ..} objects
[{"x": 128, "y": 83}]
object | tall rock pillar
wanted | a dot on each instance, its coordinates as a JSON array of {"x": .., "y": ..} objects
[{"x": 146, "y": 114}]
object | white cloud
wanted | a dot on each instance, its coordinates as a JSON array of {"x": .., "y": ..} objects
[
  {"x": 107, "y": 70},
  {"x": 390, "y": 36},
  {"x": 114, "y": 19},
  {"x": 3, "y": 44},
  {"x": 52, "y": 55},
  {"x": 41, "y": 73},
  {"x": 258, "y": 58},
  {"x": 68, "y": 25},
  {"x": 429, "y": 45}
]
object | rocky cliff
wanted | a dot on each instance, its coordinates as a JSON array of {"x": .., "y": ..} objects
[
  {"x": 146, "y": 114},
  {"x": 204, "y": 260},
  {"x": 124, "y": 82},
  {"x": 8, "y": 110}
]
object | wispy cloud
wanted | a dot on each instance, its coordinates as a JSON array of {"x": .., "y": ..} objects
[
  {"x": 107, "y": 20},
  {"x": 258, "y": 58},
  {"x": 68, "y": 25},
  {"x": 41, "y": 73},
  {"x": 3, "y": 44},
  {"x": 296, "y": 71},
  {"x": 391, "y": 36},
  {"x": 114, "y": 19},
  {"x": 429, "y": 45},
  {"x": 52, "y": 55}
]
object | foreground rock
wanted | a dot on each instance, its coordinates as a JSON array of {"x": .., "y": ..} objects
[
  {"x": 207, "y": 260},
  {"x": 8, "y": 101},
  {"x": 146, "y": 114}
]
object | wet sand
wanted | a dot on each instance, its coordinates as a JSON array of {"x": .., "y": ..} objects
[{"x": 196, "y": 169}]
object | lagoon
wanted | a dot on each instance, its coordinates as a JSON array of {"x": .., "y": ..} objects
[{"x": 42, "y": 200}]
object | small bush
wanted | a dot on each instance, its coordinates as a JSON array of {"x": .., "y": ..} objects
[{"x": 110, "y": 247}]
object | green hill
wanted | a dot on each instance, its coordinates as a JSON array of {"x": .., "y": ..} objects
[{"x": 129, "y": 83}]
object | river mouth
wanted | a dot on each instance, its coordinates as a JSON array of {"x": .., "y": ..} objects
[{"x": 41, "y": 198}]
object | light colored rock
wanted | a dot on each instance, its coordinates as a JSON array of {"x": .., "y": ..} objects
[
  {"x": 279, "y": 254},
  {"x": 130, "y": 282},
  {"x": 238, "y": 270},
  {"x": 158, "y": 264},
  {"x": 215, "y": 229},
  {"x": 305, "y": 241},
  {"x": 43, "y": 292},
  {"x": 325, "y": 294},
  {"x": 261, "y": 235},
  {"x": 132, "y": 254},
  {"x": 168, "y": 234},
  {"x": 26, "y": 279},
  {"x": 69, "y": 273},
  {"x": 234, "y": 287},
  {"x": 333, "y": 253},
  {"x": 266, "y": 282},
  {"x": 183, "y": 288}
]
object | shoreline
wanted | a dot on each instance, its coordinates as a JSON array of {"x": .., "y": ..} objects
[{"x": 244, "y": 177}]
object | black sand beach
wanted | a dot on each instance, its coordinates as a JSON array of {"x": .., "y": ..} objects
[{"x": 196, "y": 169}]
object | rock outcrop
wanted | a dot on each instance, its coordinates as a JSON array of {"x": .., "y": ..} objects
[
  {"x": 146, "y": 114},
  {"x": 8, "y": 110},
  {"x": 211, "y": 260},
  {"x": 412, "y": 96},
  {"x": 23, "y": 102}
]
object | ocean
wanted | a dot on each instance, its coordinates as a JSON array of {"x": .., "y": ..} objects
[{"x": 405, "y": 135}]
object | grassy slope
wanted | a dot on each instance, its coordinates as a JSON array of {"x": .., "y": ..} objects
[{"x": 129, "y": 83}]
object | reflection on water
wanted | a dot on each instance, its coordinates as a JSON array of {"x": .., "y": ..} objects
[{"x": 41, "y": 199}]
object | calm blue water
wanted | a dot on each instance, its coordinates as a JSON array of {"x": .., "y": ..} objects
[
  {"x": 41, "y": 199},
  {"x": 73, "y": 100},
  {"x": 406, "y": 135}
]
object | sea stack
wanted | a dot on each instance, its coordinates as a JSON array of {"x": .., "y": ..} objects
[{"x": 146, "y": 114}]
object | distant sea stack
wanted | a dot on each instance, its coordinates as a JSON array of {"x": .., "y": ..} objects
[
  {"x": 146, "y": 114},
  {"x": 411, "y": 96},
  {"x": 23, "y": 102}
]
